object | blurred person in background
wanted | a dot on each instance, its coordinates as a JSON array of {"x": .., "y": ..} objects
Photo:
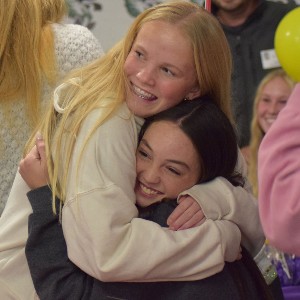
[
  {"x": 249, "y": 26},
  {"x": 36, "y": 51}
]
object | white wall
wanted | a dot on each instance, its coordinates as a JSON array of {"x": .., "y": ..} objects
[{"x": 112, "y": 22}]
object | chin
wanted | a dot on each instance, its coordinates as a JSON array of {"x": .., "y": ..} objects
[
  {"x": 266, "y": 129},
  {"x": 147, "y": 202},
  {"x": 142, "y": 204}
]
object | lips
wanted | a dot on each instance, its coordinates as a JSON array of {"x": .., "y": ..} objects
[
  {"x": 143, "y": 94},
  {"x": 270, "y": 120},
  {"x": 148, "y": 191}
]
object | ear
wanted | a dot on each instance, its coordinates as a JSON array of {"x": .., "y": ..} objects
[{"x": 194, "y": 93}]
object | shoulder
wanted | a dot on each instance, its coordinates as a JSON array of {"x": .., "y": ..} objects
[
  {"x": 121, "y": 123},
  {"x": 75, "y": 46},
  {"x": 121, "y": 114},
  {"x": 117, "y": 128}
]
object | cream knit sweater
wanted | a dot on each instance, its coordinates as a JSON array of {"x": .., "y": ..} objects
[{"x": 75, "y": 46}]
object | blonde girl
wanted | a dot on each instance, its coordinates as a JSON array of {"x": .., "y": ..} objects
[{"x": 257, "y": 131}]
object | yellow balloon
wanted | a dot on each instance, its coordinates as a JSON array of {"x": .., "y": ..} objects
[{"x": 287, "y": 43}]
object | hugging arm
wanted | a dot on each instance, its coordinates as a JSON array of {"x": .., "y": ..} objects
[
  {"x": 53, "y": 274},
  {"x": 219, "y": 199}
]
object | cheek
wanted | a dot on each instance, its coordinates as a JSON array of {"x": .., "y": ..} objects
[
  {"x": 172, "y": 93},
  {"x": 129, "y": 66},
  {"x": 261, "y": 122},
  {"x": 281, "y": 106},
  {"x": 175, "y": 90},
  {"x": 140, "y": 166},
  {"x": 174, "y": 187},
  {"x": 261, "y": 110}
]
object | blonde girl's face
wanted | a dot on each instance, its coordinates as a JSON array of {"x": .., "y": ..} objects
[
  {"x": 160, "y": 69},
  {"x": 167, "y": 164},
  {"x": 273, "y": 98}
]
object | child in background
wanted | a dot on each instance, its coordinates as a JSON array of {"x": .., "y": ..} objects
[{"x": 271, "y": 97}]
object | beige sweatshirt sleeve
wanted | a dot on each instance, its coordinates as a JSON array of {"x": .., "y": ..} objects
[
  {"x": 219, "y": 199},
  {"x": 107, "y": 240}
]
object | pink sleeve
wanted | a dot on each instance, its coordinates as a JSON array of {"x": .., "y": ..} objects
[{"x": 279, "y": 178}]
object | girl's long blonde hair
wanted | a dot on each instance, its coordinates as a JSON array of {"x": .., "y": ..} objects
[
  {"x": 257, "y": 133},
  {"x": 103, "y": 83},
  {"x": 27, "y": 51}
]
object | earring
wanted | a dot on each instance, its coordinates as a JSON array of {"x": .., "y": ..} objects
[{"x": 186, "y": 99}]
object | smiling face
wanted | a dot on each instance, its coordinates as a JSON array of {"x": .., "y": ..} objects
[
  {"x": 167, "y": 163},
  {"x": 160, "y": 69},
  {"x": 273, "y": 98}
]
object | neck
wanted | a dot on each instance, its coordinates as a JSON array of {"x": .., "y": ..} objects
[{"x": 237, "y": 16}]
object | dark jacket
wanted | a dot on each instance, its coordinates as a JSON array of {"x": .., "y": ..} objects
[
  {"x": 56, "y": 277},
  {"x": 246, "y": 42}
]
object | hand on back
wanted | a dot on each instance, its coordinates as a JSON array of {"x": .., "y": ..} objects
[{"x": 33, "y": 167}]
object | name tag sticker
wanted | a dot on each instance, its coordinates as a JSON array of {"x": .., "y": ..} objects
[{"x": 269, "y": 59}]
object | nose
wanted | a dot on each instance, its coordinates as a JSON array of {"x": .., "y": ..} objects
[
  {"x": 146, "y": 76},
  {"x": 151, "y": 175},
  {"x": 273, "y": 108}
]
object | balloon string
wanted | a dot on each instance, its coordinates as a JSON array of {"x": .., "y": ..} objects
[{"x": 208, "y": 5}]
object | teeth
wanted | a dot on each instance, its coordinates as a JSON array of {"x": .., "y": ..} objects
[
  {"x": 270, "y": 120},
  {"x": 147, "y": 190},
  {"x": 142, "y": 93}
]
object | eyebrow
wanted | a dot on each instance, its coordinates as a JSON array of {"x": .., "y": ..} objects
[{"x": 178, "y": 162}]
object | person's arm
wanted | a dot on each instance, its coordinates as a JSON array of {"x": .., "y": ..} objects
[
  {"x": 109, "y": 243},
  {"x": 219, "y": 199},
  {"x": 53, "y": 274},
  {"x": 278, "y": 176}
]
